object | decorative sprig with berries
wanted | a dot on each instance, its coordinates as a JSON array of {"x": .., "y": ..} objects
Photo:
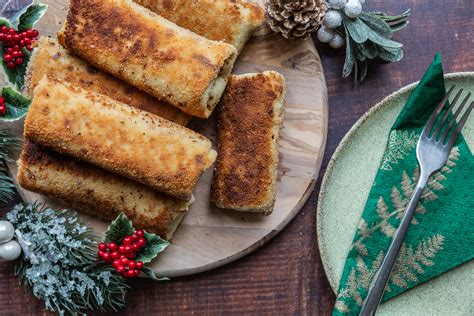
[
  {"x": 60, "y": 259},
  {"x": 17, "y": 39},
  {"x": 366, "y": 35},
  {"x": 128, "y": 250}
]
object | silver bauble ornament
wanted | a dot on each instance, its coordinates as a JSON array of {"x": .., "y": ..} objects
[
  {"x": 332, "y": 19},
  {"x": 353, "y": 8},
  {"x": 337, "y": 4},
  {"x": 10, "y": 251},
  {"x": 324, "y": 34},
  {"x": 337, "y": 41},
  {"x": 6, "y": 231}
]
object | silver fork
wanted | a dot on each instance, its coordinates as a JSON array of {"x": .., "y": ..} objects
[{"x": 432, "y": 151}]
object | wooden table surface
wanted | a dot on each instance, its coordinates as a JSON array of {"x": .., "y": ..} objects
[{"x": 286, "y": 275}]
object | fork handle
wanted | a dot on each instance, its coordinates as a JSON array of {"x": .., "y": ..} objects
[{"x": 377, "y": 287}]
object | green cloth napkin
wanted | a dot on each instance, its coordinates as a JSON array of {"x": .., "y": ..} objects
[{"x": 440, "y": 236}]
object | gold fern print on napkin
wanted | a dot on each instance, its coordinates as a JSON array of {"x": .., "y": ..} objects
[
  {"x": 399, "y": 200},
  {"x": 400, "y": 144},
  {"x": 410, "y": 262},
  {"x": 407, "y": 268}
]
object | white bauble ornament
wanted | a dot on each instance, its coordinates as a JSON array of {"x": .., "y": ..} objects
[
  {"x": 332, "y": 19},
  {"x": 10, "y": 251},
  {"x": 325, "y": 35},
  {"x": 353, "y": 8},
  {"x": 337, "y": 42},
  {"x": 6, "y": 231},
  {"x": 337, "y": 4}
]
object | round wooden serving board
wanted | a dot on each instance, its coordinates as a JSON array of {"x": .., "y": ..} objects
[{"x": 209, "y": 237}]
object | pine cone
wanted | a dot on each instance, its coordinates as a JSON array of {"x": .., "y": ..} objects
[{"x": 294, "y": 19}]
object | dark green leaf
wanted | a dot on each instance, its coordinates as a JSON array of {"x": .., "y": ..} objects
[
  {"x": 376, "y": 24},
  {"x": 358, "y": 31},
  {"x": 29, "y": 16},
  {"x": 356, "y": 72},
  {"x": 382, "y": 41},
  {"x": 118, "y": 229},
  {"x": 16, "y": 76},
  {"x": 5, "y": 22},
  {"x": 399, "y": 26},
  {"x": 392, "y": 18},
  {"x": 8, "y": 146},
  {"x": 17, "y": 104},
  {"x": 349, "y": 61},
  {"x": 154, "y": 245},
  {"x": 368, "y": 49},
  {"x": 390, "y": 54},
  {"x": 363, "y": 70},
  {"x": 6, "y": 189},
  {"x": 151, "y": 275},
  {"x": 358, "y": 53}
]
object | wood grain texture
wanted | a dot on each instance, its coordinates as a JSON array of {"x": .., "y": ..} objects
[
  {"x": 209, "y": 237},
  {"x": 286, "y": 275}
]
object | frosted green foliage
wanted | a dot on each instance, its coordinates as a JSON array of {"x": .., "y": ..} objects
[{"x": 60, "y": 263}]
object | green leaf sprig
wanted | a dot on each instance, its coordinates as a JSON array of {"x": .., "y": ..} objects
[
  {"x": 23, "y": 20},
  {"x": 368, "y": 37},
  {"x": 60, "y": 262},
  {"x": 121, "y": 227},
  {"x": 17, "y": 105}
]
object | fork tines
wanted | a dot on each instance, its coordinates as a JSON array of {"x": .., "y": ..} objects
[{"x": 448, "y": 124}]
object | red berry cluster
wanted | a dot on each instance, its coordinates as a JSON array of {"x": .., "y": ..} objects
[
  {"x": 121, "y": 255},
  {"x": 13, "y": 41},
  {"x": 3, "y": 107}
]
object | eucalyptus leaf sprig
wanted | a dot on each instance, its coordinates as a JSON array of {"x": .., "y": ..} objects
[
  {"x": 366, "y": 35},
  {"x": 369, "y": 37}
]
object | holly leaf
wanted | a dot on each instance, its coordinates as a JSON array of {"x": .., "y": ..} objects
[
  {"x": 119, "y": 228},
  {"x": 29, "y": 16},
  {"x": 154, "y": 245},
  {"x": 16, "y": 76},
  {"x": 5, "y": 22},
  {"x": 17, "y": 105},
  {"x": 151, "y": 275}
]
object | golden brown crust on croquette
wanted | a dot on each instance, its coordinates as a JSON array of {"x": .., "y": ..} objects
[
  {"x": 112, "y": 135},
  {"x": 249, "y": 120},
  {"x": 50, "y": 58},
  {"x": 96, "y": 191},
  {"x": 231, "y": 21},
  {"x": 149, "y": 52}
]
